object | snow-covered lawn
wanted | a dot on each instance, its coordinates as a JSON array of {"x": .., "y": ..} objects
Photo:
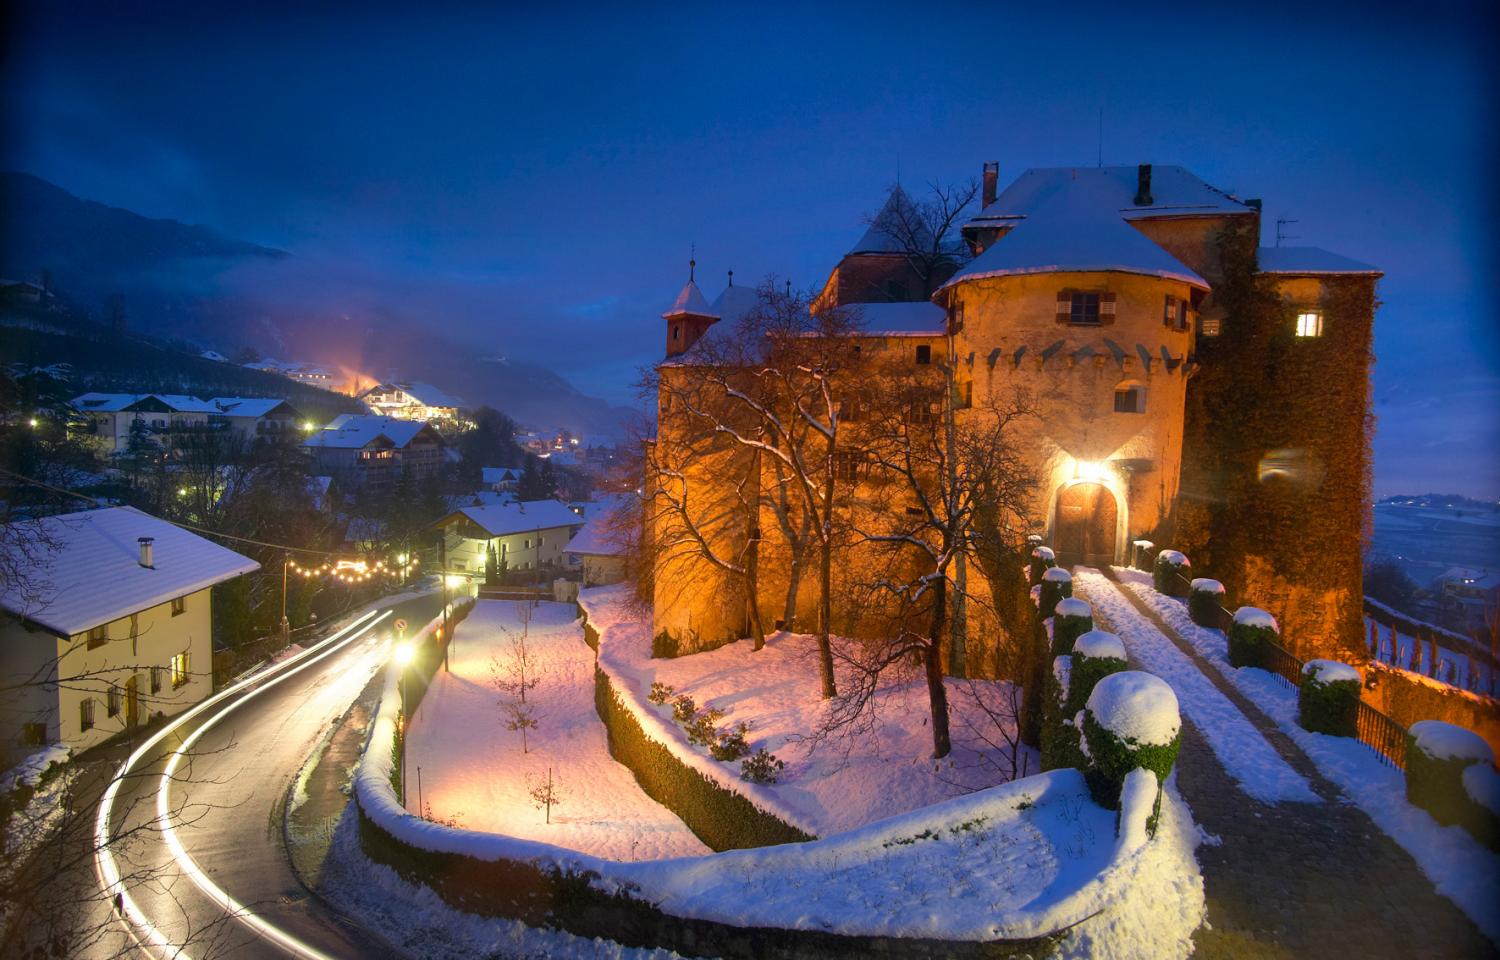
[
  {"x": 1243, "y": 751},
  {"x": 845, "y": 782},
  {"x": 1459, "y": 868},
  {"x": 473, "y": 768}
]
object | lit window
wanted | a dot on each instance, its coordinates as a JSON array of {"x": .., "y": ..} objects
[
  {"x": 98, "y": 636},
  {"x": 1130, "y": 398},
  {"x": 179, "y": 606},
  {"x": 86, "y": 713},
  {"x": 180, "y": 673},
  {"x": 1310, "y": 324}
]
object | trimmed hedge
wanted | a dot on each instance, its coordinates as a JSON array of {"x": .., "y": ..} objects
[
  {"x": 1205, "y": 603},
  {"x": 1053, "y": 591},
  {"x": 1066, "y": 629},
  {"x": 1087, "y": 672},
  {"x": 1328, "y": 707},
  {"x": 722, "y": 819},
  {"x": 1248, "y": 644},
  {"x": 1140, "y": 554},
  {"x": 1042, "y": 560},
  {"x": 1111, "y": 758},
  {"x": 1060, "y": 739},
  {"x": 1436, "y": 784},
  {"x": 1167, "y": 575}
]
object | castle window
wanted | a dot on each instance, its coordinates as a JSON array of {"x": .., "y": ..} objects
[
  {"x": 1209, "y": 327},
  {"x": 848, "y": 465},
  {"x": 1309, "y": 323},
  {"x": 924, "y": 354},
  {"x": 1130, "y": 397},
  {"x": 676, "y": 332},
  {"x": 1174, "y": 313},
  {"x": 1084, "y": 308}
]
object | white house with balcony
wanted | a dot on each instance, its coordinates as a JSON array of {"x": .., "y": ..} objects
[
  {"x": 529, "y": 535},
  {"x": 107, "y": 623}
]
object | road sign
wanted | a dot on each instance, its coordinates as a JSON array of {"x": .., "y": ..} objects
[{"x": 400, "y": 624}]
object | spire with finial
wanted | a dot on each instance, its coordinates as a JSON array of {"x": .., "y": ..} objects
[
  {"x": 692, "y": 260},
  {"x": 731, "y": 278}
]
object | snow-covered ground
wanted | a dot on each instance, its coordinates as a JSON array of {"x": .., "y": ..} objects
[
  {"x": 1460, "y": 869},
  {"x": 842, "y": 784},
  {"x": 1399, "y": 648},
  {"x": 473, "y": 768},
  {"x": 1245, "y": 754}
]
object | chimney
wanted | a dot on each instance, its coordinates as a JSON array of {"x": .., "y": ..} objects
[
  {"x": 146, "y": 558},
  {"x": 1143, "y": 185},
  {"x": 991, "y": 182},
  {"x": 1254, "y": 205}
]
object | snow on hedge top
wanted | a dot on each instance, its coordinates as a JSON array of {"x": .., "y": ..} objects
[
  {"x": 1482, "y": 784},
  {"x": 1447, "y": 741},
  {"x": 1043, "y": 553},
  {"x": 1099, "y": 643},
  {"x": 1330, "y": 671},
  {"x": 1143, "y": 543},
  {"x": 1136, "y": 706},
  {"x": 1205, "y": 585},
  {"x": 1175, "y": 557},
  {"x": 1254, "y": 617},
  {"x": 1073, "y": 607},
  {"x": 1057, "y": 575}
]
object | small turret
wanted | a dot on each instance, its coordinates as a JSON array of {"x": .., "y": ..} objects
[{"x": 689, "y": 317}]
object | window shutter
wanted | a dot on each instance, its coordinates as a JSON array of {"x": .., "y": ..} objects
[
  {"x": 1167, "y": 311},
  {"x": 1182, "y": 318},
  {"x": 1107, "y": 307},
  {"x": 1064, "y": 306}
]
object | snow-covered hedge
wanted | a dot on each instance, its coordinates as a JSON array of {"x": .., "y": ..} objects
[
  {"x": 1205, "y": 601},
  {"x": 1438, "y": 758},
  {"x": 1072, "y": 618},
  {"x": 1250, "y": 634},
  {"x": 1096, "y": 655},
  {"x": 1057, "y": 584},
  {"x": 1131, "y": 722},
  {"x": 1042, "y": 560},
  {"x": 1328, "y": 698},
  {"x": 1060, "y": 735},
  {"x": 1169, "y": 571},
  {"x": 1140, "y": 556},
  {"x": 1482, "y": 786}
]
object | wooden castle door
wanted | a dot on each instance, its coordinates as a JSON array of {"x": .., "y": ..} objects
[{"x": 1086, "y": 524}]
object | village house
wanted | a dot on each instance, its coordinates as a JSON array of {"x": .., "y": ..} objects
[
  {"x": 526, "y": 536},
  {"x": 412, "y": 401},
  {"x": 108, "y": 623},
  {"x": 112, "y": 417},
  {"x": 258, "y": 418},
  {"x": 500, "y": 479},
  {"x": 599, "y": 548},
  {"x": 361, "y": 450},
  {"x": 1092, "y": 293}
]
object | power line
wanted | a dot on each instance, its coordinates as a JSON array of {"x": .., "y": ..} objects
[{"x": 98, "y": 502}]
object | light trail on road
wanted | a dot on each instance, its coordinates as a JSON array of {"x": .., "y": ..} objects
[{"x": 105, "y": 864}]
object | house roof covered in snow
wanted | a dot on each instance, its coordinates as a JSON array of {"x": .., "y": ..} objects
[
  {"x": 734, "y": 303},
  {"x": 251, "y": 406},
  {"x": 94, "y": 576},
  {"x": 499, "y": 474},
  {"x": 1309, "y": 261},
  {"x": 430, "y": 396},
  {"x": 503, "y": 519},
  {"x": 118, "y": 402},
  {"x": 1075, "y": 225},
  {"x": 599, "y": 536},
  {"x": 354, "y": 431},
  {"x": 690, "y": 302},
  {"x": 917, "y": 318},
  {"x": 1175, "y": 192}
]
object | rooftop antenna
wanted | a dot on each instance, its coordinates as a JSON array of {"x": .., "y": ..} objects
[
  {"x": 1101, "y": 137},
  {"x": 1282, "y": 234}
]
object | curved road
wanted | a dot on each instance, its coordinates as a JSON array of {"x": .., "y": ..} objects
[{"x": 202, "y": 869}]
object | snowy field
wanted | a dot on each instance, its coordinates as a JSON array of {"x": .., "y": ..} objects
[
  {"x": 1244, "y": 753},
  {"x": 845, "y": 782},
  {"x": 473, "y": 769},
  {"x": 1458, "y": 867}
]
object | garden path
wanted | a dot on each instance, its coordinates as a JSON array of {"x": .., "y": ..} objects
[{"x": 1297, "y": 879}]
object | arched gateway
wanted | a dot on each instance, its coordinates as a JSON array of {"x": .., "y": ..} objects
[{"x": 1086, "y": 520}]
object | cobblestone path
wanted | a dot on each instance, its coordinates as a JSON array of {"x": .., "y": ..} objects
[{"x": 1302, "y": 879}]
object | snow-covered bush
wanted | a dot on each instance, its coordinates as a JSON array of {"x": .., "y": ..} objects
[
  {"x": 1059, "y": 735},
  {"x": 1096, "y": 655},
  {"x": 1482, "y": 785},
  {"x": 1057, "y": 583},
  {"x": 1140, "y": 555},
  {"x": 1438, "y": 755},
  {"x": 1205, "y": 601},
  {"x": 1328, "y": 698},
  {"x": 1131, "y": 721},
  {"x": 1250, "y": 635},
  {"x": 731, "y": 743},
  {"x": 1042, "y": 560},
  {"x": 1169, "y": 572},
  {"x": 762, "y": 766},
  {"x": 684, "y": 708},
  {"x": 1072, "y": 618}
]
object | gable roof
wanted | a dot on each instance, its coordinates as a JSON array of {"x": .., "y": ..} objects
[
  {"x": 499, "y": 474},
  {"x": 1309, "y": 261},
  {"x": 504, "y": 519},
  {"x": 690, "y": 302},
  {"x": 599, "y": 536},
  {"x": 355, "y": 430},
  {"x": 428, "y": 395},
  {"x": 1074, "y": 224},
  {"x": 94, "y": 576},
  {"x": 1175, "y": 192},
  {"x": 249, "y": 406}
]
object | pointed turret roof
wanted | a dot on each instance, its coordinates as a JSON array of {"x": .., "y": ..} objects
[
  {"x": 690, "y": 303},
  {"x": 877, "y": 238}
]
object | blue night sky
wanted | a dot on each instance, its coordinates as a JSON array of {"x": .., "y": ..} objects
[{"x": 530, "y": 181}]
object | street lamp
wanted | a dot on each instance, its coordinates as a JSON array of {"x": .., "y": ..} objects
[
  {"x": 403, "y": 655},
  {"x": 286, "y": 627}
]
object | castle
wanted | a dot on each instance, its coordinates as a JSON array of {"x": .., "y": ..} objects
[{"x": 1190, "y": 388}]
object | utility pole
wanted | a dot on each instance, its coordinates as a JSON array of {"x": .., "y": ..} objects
[
  {"x": 286, "y": 627},
  {"x": 443, "y": 573}
]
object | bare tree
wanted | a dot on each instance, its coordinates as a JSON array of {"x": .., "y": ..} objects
[
  {"x": 545, "y": 794},
  {"x": 924, "y": 230},
  {"x": 515, "y": 676}
]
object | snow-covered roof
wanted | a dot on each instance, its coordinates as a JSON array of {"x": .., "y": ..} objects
[
  {"x": 94, "y": 575},
  {"x": 1175, "y": 192},
  {"x": 355, "y": 430},
  {"x": 690, "y": 302},
  {"x": 734, "y": 303},
  {"x": 214, "y": 355},
  {"x": 599, "y": 536},
  {"x": 499, "y": 474},
  {"x": 503, "y": 519},
  {"x": 878, "y": 239},
  {"x": 1074, "y": 225},
  {"x": 430, "y": 396},
  {"x": 116, "y": 402},
  {"x": 182, "y": 403},
  {"x": 914, "y": 318},
  {"x": 1309, "y": 260},
  {"x": 249, "y": 406}
]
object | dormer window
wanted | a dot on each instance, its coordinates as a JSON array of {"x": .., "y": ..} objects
[{"x": 1309, "y": 323}]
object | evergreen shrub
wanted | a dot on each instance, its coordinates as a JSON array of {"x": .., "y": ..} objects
[
  {"x": 1139, "y": 701},
  {"x": 1060, "y": 738},
  {"x": 1169, "y": 573},
  {"x": 1206, "y": 602},
  {"x": 1250, "y": 635},
  {"x": 1438, "y": 757},
  {"x": 1110, "y": 758},
  {"x": 1042, "y": 560},
  {"x": 1087, "y": 672},
  {"x": 1328, "y": 698},
  {"x": 1057, "y": 584},
  {"x": 1072, "y": 618}
]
